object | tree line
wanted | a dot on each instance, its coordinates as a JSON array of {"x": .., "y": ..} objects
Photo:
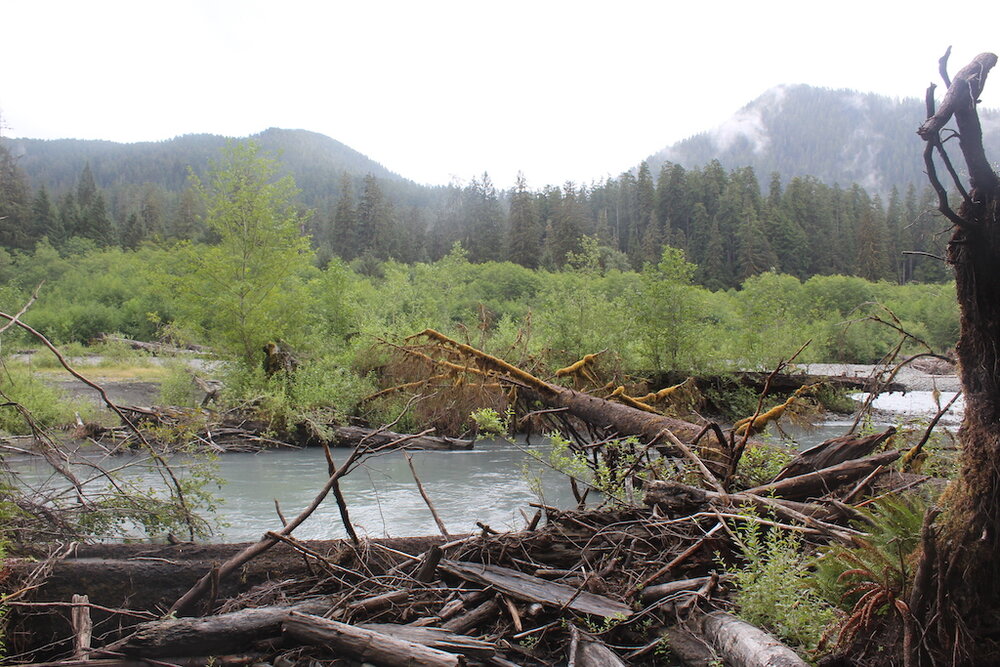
[{"x": 723, "y": 221}]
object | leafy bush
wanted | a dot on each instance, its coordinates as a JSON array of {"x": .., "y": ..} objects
[
  {"x": 773, "y": 586},
  {"x": 46, "y": 404}
]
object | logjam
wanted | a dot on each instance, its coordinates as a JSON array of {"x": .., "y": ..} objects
[{"x": 501, "y": 598}]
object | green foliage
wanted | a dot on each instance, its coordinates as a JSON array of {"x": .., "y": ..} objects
[
  {"x": 892, "y": 526},
  {"x": 177, "y": 387},
  {"x": 666, "y": 308},
  {"x": 245, "y": 289},
  {"x": 45, "y": 403},
  {"x": 760, "y": 464},
  {"x": 773, "y": 586},
  {"x": 490, "y": 423},
  {"x": 611, "y": 475},
  {"x": 319, "y": 391}
]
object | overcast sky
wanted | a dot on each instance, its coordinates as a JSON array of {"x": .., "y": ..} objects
[{"x": 437, "y": 91}]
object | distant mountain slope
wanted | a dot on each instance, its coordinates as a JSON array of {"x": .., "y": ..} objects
[
  {"x": 316, "y": 161},
  {"x": 838, "y": 136}
]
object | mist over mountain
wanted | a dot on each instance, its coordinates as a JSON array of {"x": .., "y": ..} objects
[{"x": 838, "y": 136}]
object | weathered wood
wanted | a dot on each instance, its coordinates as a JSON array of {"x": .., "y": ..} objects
[
  {"x": 821, "y": 482},
  {"x": 532, "y": 589},
  {"x": 586, "y": 651},
  {"x": 678, "y": 499},
  {"x": 365, "y": 645},
  {"x": 351, "y": 436},
  {"x": 377, "y": 602},
  {"x": 741, "y": 644},
  {"x": 83, "y": 626},
  {"x": 689, "y": 648},
  {"x": 152, "y": 348},
  {"x": 833, "y": 451},
  {"x": 960, "y": 101},
  {"x": 428, "y": 564},
  {"x": 439, "y": 638},
  {"x": 652, "y": 594},
  {"x": 180, "y": 661},
  {"x": 219, "y": 634},
  {"x": 484, "y": 612}
]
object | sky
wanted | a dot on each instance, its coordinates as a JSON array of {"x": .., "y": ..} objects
[{"x": 440, "y": 92}]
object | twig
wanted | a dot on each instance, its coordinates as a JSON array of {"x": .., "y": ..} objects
[
  {"x": 423, "y": 494},
  {"x": 185, "y": 603},
  {"x": 162, "y": 463}
]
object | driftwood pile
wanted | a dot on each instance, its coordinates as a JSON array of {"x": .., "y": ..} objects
[
  {"x": 235, "y": 431},
  {"x": 621, "y": 584},
  {"x": 586, "y": 588}
]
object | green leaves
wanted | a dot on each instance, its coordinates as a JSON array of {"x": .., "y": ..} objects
[{"x": 244, "y": 290}]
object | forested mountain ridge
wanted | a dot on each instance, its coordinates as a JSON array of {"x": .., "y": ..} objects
[
  {"x": 314, "y": 160},
  {"x": 75, "y": 193},
  {"x": 837, "y": 136}
]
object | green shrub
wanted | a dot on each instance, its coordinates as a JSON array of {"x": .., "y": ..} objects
[
  {"x": 773, "y": 588},
  {"x": 47, "y": 405}
]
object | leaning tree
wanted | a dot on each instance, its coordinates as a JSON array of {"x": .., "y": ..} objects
[{"x": 954, "y": 609}]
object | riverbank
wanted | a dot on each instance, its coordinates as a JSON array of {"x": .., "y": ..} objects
[{"x": 912, "y": 379}]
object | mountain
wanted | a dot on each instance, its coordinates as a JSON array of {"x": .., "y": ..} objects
[
  {"x": 314, "y": 160},
  {"x": 839, "y": 136}
]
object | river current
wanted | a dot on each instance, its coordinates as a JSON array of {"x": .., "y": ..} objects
[{"x": 491, "y": 484}]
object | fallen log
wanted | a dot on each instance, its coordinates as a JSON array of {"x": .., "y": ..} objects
[
  {"x": 780, "y": 383},
  {"x": 741, "y": 644},
  {"x": 586, "y": 651},
  {"x": 153, "y": 348},
  {"x": 678, "y": 499},
  {"x": 474, "y": 618},
  {"x": 212, "y": 635},
  {"x": 821, "y": 482},
  {"x": 533, "y": 589},
  {"x": 600, "y": 413},
  {"x": 365, "y": 645},
  {"x": 832, "y": 452},
  {"x": 438, "y": 638},
  {"x": 351, "y": 436}
]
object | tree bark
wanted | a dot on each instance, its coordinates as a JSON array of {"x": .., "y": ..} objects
[
  {"x": 744, "y": 645},
  {"x": 366, "y": 645},
  {"x": 968, "y": 630}
]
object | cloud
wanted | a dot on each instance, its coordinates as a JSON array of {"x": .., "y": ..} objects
[{"x": 744, "y": 124}]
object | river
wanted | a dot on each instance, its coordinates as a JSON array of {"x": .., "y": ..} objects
[{"x": 489, "y": 484}]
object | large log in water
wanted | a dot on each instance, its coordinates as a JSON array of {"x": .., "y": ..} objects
[{"x": 351, "y": 436}]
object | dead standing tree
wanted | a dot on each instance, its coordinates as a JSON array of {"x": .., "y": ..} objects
[{"x": 955, "y": 605}]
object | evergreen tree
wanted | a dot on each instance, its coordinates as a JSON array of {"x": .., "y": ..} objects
[
  {"x": 151, "y": 211},
  {"x": 186, "y": 221},
  {"x": 132, "y": 232},
  {"x": 95, "y": 223},
  {"x": 376, "y": 223},
  {"x": 525, "y": 234},
  {"x": 897, "y": 234},
  {"x": 14, "y": 209},
  {"x": 484, "y": 223},
  {"x": 754, "y": 253},
  {"x": 86, "y": 188},
  {"x": 69, "y": 215},
  {"x": 715, "y": 272},
  {"x": 45, "y": 218},
  {"x": 568, "y": 225},
  {"x": 346, "y": 243}
]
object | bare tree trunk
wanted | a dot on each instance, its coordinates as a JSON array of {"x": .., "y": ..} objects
[{"x": 967, "y": 606}]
